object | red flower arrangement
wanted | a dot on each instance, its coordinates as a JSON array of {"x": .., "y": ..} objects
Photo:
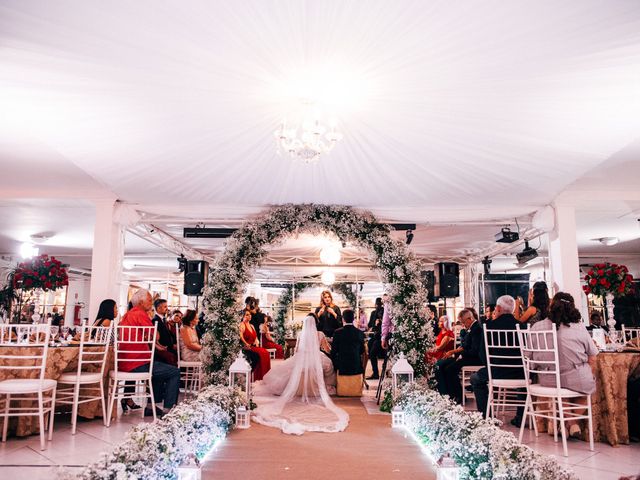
[
  {"x": 43, "y": 272},
  {"x": 606, "y": 278}
]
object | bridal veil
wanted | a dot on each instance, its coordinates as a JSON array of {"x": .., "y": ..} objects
[{"x": 304, "y": 404}]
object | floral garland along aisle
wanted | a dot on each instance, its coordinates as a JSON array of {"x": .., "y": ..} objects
[
  {"x": 286, "y": 299},
  {"x": 247, "y": 247}
]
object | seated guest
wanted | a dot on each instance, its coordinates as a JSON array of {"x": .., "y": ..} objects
[
  {"x": 488, "y": 314},
  {"x": 503, "y": 320},
  {"x": 165, "y": 342},
  {"x": 176, "y": 319},
  {"x": 260, "y": 360},
  {"x": 538, "y": 302},
  {"x": 597, "y": 322},
  {"x": 165, "y": 378},
  {"x": 347, "y": 347},
  {"x": 576, "y": 352},
  {"x": 444, "y": 341},
  {"x": 448, "y": 368},
  {"x": 58, "y": 320},
  {"x": 107, "y": 311},
  {"x": 190, "y": 347},
  {"x": 267, "y": 339}
]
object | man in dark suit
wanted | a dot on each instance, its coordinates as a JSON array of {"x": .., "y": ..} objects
[
  {"x": 347, "y": 347},
  {"x": 165, "y": 345},
  {"x": 503, "y": 320},
  {"x": 449, "y": 367}
]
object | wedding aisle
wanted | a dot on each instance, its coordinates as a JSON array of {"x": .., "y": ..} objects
[{"x": 369, "y": 447}]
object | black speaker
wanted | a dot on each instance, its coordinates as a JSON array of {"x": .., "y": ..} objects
[
  {"x": 195, "y": 276},
  {"x": 429, "y": 282},
  {"x": 447, "y": 280}
]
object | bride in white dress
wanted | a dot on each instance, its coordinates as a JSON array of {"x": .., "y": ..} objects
[{"x": 304, "y": 403}]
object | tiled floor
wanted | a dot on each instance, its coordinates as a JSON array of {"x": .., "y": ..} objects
[{"x": 22, "y": 458}]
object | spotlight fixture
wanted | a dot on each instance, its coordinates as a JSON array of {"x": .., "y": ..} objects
[
  {"x": 507, "y": 236},
  {"x": 527, "y": 254},
  {"x": 486, "y": 262},
  {"x": 409, "y": 236},
  {"x": 182, "y": 262}
]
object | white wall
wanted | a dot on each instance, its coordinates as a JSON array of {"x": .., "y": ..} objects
[{"x": 77, "y": 293}]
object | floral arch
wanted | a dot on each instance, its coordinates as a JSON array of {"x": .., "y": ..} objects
[{"x": 247, "y": 247}]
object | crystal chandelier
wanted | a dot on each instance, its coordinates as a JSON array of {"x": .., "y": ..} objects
[{"x": 307, "y": 140}]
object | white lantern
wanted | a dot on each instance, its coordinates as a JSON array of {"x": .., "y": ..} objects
[
  {"x": 240, "y": 369},
  {"x": 243, "y": 419},
  {"x": 447, "y": 469},
  {"x": 189, "y": 472},
  {"x": 402, "y": 372},
  {"x": 397, "y": 417}
]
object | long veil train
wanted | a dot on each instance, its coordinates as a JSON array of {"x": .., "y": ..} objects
[{"x": 304, "y": 404}]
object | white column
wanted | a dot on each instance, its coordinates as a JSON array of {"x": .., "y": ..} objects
[
  {"x": 470, "y": 284},
  {"x": 563, "y": 255},
  {"x": 106, "y": 261}
]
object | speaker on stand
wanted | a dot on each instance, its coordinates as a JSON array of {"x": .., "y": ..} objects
[
  {"x": 195, "y": 277},
  {"x": 447, "y": 276}
]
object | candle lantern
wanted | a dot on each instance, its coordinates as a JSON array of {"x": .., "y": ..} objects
[
  {"x": 402, "y": 372},
  {"x": 240, "y": 374}
]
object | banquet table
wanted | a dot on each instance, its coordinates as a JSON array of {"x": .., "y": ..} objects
[
  {"x": 60, "y": 359},
  {"x": 609, "y": 401}
]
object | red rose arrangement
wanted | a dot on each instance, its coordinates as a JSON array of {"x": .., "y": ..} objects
[
  {"x": 43, "y": 272},
  {"x": 606, "y": 278}
]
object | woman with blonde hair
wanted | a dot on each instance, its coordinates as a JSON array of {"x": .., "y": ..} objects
[{"x": 329, "y": 315}]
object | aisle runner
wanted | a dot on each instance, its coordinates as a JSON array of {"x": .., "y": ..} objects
[{"x": 368, "y": 448}]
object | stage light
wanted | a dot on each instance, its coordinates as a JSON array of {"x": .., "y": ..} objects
[
  {"x": 527, "y": 254},
  {"x": 507, "y": 236}
]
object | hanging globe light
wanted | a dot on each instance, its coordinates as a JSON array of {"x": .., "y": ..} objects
[
  {"x": 328, "y": 278},
  {"x": 330, "y": 255}
]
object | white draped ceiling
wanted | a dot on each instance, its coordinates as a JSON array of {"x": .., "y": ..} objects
[
  {"x": 485, "y": 105},
  {"x": 451, "y": 112}
]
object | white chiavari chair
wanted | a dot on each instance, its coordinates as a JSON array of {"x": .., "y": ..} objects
[
  {"x": 631, "y": 335},
  {"x": 502, "y": 349},
  {"x": 29, "y": 346},
  {"x": 139, "y": 342},
  {"x": 190, "y": 372},
  {"x": 86, "y": 384},
  {"x": 540, "y": 357}
]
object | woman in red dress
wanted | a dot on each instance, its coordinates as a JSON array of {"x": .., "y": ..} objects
[
  {"x": 267, "y": 340},
  {"x": 444, "y": 341},
  {"x": 250, "y": 342}
]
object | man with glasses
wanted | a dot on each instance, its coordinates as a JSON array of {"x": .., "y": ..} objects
[{"x": 449, "y": 367}]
